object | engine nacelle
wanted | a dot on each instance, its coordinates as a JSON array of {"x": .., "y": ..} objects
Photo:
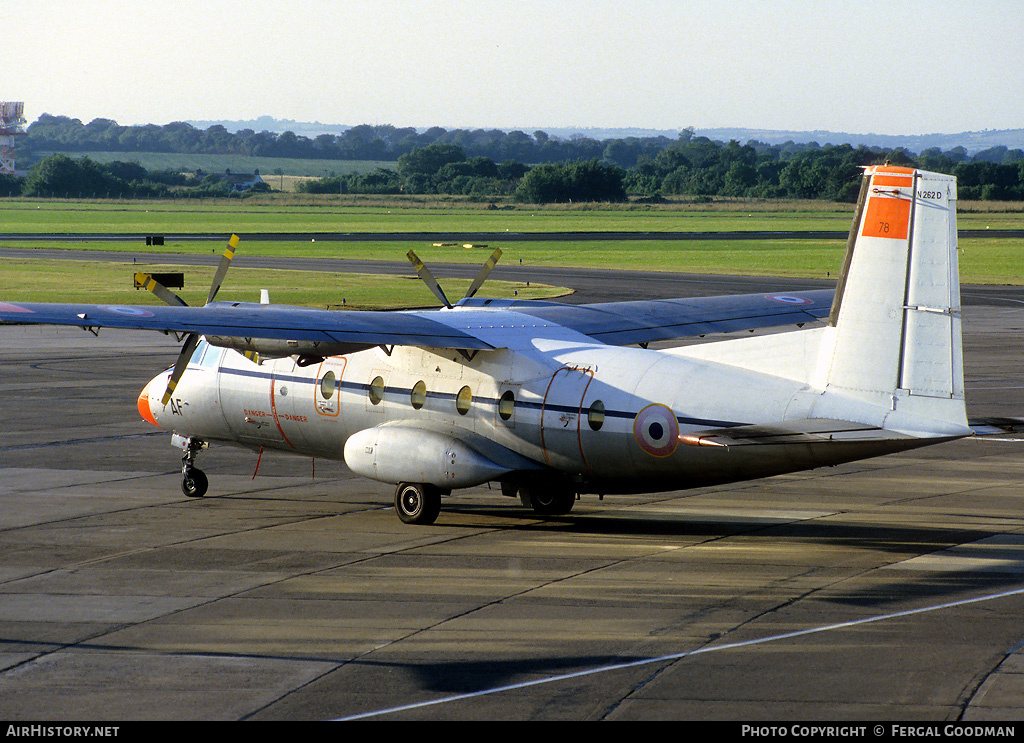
[{"x": 403, "y": 454}]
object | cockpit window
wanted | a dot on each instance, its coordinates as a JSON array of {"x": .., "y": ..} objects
[
  {"x": 211, "y": 356},
  {"x": 206, "y": 355},
  {"x": 197, "y": 355}
]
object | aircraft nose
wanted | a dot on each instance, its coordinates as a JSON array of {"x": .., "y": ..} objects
[{"x": 144, "y": 409}]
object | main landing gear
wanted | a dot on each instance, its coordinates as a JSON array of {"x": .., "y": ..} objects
[
  {"x": 547, "y": 499},
  {"x": 193, "y": 480},
  {"x": 417, "y": 503}
]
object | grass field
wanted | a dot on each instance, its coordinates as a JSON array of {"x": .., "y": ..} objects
[
  {"x": 327, "y": 215},
  {"x": 284, "y": 213},
  {"x": 996, "y": 260},
  {"x": 982, "y": 261},
  {"x": 107, "y": 282}
]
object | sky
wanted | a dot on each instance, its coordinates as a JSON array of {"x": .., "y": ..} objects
[{"x": 862, "y": 66}]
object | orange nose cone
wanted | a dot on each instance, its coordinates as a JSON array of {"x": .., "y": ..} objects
[{"x": 144, "y": 409}]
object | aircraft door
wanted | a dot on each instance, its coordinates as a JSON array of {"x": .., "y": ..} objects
[
  {"x": 247, "y": 394},
  {"x": 286, "y": 404},
  {"x": 561, "y": 413}
]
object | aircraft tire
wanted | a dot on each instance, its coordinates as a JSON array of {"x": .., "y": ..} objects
[
  {"x": 194, "y": 483},
  {"x": 548, "y": 501},
  {"x": 417, "y": 503}
]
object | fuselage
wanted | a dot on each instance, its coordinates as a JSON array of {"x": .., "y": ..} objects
[{"x": 608, "y": 419}]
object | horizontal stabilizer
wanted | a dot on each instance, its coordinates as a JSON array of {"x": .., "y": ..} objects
[
  {"x": 994, "y": 426},
  {"x": 806, "y": 431}
]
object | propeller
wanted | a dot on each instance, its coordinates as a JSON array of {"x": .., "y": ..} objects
[
  {"x": 488, "y": 266},
  {"x": 428, "y": 278},
  {"x": 192, "y": 339}
]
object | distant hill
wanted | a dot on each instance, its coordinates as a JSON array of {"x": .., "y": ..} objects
[
  {"x": 973, "y": 142},
  {"x": 270, "y": 124}
]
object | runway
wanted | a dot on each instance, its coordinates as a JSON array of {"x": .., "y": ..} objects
[{"x": 886, "y": 590}]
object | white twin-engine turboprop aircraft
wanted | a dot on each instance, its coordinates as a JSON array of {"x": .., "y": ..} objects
[{"x": 548, "y": 400}]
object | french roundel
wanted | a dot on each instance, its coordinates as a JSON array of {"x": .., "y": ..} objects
[
  {"x": 788, "y": 299},
  {"x": 656, "y": 430},
  {"x": 131, "y": 311}
]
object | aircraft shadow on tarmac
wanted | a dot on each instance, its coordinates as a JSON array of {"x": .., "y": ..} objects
[
  {"x": 466, "y": 677},
  {"x": 905, "y": 541},
  {"x": 452, "y": 677}
]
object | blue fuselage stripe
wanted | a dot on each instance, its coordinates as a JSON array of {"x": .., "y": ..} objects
[{"x": 361, "y": 387}]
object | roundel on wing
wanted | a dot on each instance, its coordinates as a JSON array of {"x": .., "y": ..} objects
[
  {"x": 130, "y": 311},
  {"x": 656, "y": 430},
  {"x": 788, "y": 299}
]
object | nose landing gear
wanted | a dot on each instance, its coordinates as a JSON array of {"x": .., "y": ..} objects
[{"x": 193, "y": 480}]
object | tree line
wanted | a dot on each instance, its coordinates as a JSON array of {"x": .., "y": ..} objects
[
  {"x": 702, "y": 167},
  {"x": 63, "y": 176},
  {"x": 383, "y": 142},
  {"x": 695, "y": 167}
]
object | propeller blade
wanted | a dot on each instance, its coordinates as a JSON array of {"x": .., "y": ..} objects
[
  {"x": 225, "y": 261},
  {"x": 179, "y": 366},
  {"x": 148, "y": 282},
  {"x": 428, "y": 278},
  {"x": 481, "y": 277}
]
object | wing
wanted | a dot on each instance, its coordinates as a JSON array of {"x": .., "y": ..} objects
[
  {"x": 294, "y": 330},
  {"x": 297, "y": 329},
  {"x": 623, "y": 323}
]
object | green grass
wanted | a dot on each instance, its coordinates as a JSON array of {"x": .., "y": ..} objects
[
  {"x": 285, "y": 213},
  {"x": 992, "y": 261},
  {"x": 103, "y": 282},
  {"x": 982, "y": 260},
  {"x": 277, "y": 216}
]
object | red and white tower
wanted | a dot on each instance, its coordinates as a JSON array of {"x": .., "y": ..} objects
[{"x": 12, "y": 124}]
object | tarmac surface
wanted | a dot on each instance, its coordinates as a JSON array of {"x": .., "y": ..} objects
[{"x": 891, "y": 589}]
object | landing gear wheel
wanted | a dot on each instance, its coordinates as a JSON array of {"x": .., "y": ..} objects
[
  {"x": 417, "y": 503},
  {"x": 194, "y": 483},
  {"x": 548, "y": 501}
]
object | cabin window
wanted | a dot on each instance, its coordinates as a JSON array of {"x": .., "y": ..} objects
[
  {"x": 418, "y": 396},
  {"x": 376, "y": 390},
  {"x": 507, "y": 405},
  {"x": 463, "y": 400},
  {"x": 327, "y": 385},
  {"x": 595, "y": 416}
]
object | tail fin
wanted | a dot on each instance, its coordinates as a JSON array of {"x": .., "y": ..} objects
[{"x": 896, "y": 336}]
